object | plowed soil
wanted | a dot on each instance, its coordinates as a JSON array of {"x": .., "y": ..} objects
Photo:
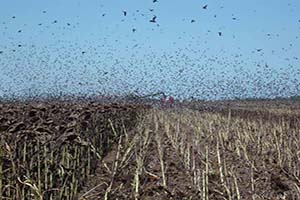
[{"x": 63, "y": 150}]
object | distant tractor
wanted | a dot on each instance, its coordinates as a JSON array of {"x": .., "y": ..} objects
[
  {"x": 163, "y": 102},
  {"x": 167, "y": 101}
]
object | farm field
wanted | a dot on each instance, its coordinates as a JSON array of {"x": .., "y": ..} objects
[
  {"x": 129, "y": 151},
  {"x": 149, "y": 100},
  {"x": 49, "y": 149}
]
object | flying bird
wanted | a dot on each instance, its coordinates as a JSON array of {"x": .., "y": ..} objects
[
  {"x": 151, "y": 9},
  {"x": 1, "y": 52},
  {"x": 220, "y": 33},
  {"x": 124, "y": 13},
  {"x": 14, "y": 17},
  {"x": 153, "y": 20},
  {"x": 154, "y": 1},
  {"x": 205, "y": 7},
  {"x": 192, "y": 21},
  {"x": 54, "y": 22},
  {"x": 103, "y": 14},
  {"x": 258, "y": 50},
  {"x": 19, "y": 45},
  {"x": 44, "y": 11},
  {"x": 19, "y": 31},
  {"x": 133, "y": 30}
]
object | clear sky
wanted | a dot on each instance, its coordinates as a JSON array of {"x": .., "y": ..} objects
[{"x": 232, "y": 48}]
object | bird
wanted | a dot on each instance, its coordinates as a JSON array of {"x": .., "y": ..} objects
[
  {"x": 68, "y": 24},
  {"x": 40, "y": 24},
  {"x": 205, "y": 7},
  {"x": 220, "y": 33},
  {"x": 133, "y": 30},
  {"x": 83, "y": 52},
  {"x": 153, "y": 20},
  {"x": 154, "y": 1},
  {"x": 124, "y": 13},
  {"x": 234, "y": 18},
  {"x": 1, "y": 52},
  {"x": 151, "y": 9},
  {"x": 19, "y": 45},
  {"x": 103, "y": 14},
  {"x": 14, "y": 17},
  {"x": 258, "y": 50},
  {"x": 19, "y": 31},
  {"x": 54, "y": 22},
  {"x": 44, "y": 11},
  {"x": 192, "y": 21}
]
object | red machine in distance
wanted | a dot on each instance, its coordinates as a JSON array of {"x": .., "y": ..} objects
[
  {"x": 167, "y": 101},
  {"x": 164, "y": 101}
]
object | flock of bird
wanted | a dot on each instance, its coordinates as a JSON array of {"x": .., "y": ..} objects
[{"x": 102, "y": 69}]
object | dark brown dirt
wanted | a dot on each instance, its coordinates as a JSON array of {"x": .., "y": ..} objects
[
  {"x": 271, "y": 181},
  {"x": 47, "y": 132},
  {"x": 151, "y": 187},
  {"x": 57, "y": 125}
]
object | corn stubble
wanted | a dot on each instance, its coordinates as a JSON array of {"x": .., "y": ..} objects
[
  {"x": 170, "y": 154},
  {"x": 49, "y": 150},
  {"x": 187, "y": 154}
]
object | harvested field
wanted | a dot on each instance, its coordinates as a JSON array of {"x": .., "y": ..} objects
[
  {"x": 188, "y": 154},
  {"x": 279, "y": 112},
  {"x": 48, "y": 150},
  {"x": 93, "y": 151},
  {"x": 149, "y": 100}
]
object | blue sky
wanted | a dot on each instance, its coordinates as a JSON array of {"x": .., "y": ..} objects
[{"x": 70, "y": 47}]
